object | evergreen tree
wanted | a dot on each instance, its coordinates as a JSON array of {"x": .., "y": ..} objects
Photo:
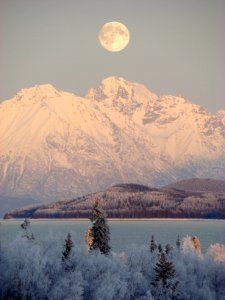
[
  {"x": 100, "y": 231},
  {"x": 164, "y": 269},
  {"x": 67, "y": 247},
  {"x": 165, "y": 287},
  {"x": 153, "y": 245},
  {"x": 25, "y": 226},
  {"x": 160, "y": 248},
  {"x": 178, "y": 242},
  {"x": 168, "y": 248}
]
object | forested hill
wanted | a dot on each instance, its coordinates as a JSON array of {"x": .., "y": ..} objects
[{"x": 134, "y": 201}]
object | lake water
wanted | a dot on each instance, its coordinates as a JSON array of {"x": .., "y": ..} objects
[{"x": 124, "y": 233}]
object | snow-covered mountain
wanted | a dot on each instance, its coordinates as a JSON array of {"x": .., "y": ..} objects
[{"x": 55, "y": 145}]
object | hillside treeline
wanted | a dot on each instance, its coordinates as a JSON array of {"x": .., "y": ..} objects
[{"x": 134, "y": 201}]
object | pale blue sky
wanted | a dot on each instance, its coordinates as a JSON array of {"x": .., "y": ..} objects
[{"x": 177, "y": 46}]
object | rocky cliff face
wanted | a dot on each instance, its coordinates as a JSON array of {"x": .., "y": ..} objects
[{"x": 56, "y": 145}]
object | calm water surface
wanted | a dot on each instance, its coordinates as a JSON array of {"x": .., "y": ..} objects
[{"x": 124, "y": 233}]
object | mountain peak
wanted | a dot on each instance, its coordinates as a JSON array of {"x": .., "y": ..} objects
[
  {"x": 109, "y": 87},
  {"x": 38, "y": 92},
  {"x": 118, "y": 86},
  {"x": 114, "y": 81},
  {"x": 115, "y": 87}
]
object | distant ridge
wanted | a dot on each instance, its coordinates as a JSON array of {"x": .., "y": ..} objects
[
  {"x": 134, "y": 201},
  {"x": 132, "y": 187},
  {"x": 199, "y": 185}
]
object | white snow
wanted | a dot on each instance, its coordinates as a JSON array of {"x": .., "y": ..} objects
[{"x": 120, "y": 131}]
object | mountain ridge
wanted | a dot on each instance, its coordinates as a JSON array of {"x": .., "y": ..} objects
[
  {"x": 58, "y": 145},
  {"x": 199, "y": 185},
  {"x": 136, "y": 201}
]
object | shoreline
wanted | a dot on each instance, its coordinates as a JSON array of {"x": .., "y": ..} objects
[{"x": 116, "y": 219}]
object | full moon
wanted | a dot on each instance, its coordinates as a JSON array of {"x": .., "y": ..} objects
[{"x": 114, "y": 36}]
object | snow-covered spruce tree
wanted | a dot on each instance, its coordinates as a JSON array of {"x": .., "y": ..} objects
[
  {"x": 164, "y": 285},
  {"x": 25, "y": 226},
  {"x": 160, "y": 249},
  {"x": 168, "y": 248},
  {"x": 67, "y": 247},
  {"x": 178, "y": 243},
  {"x": 153, "y": 245},
  {"x": 99, "y": 231},
  {"x": 67, "y": 264}
]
